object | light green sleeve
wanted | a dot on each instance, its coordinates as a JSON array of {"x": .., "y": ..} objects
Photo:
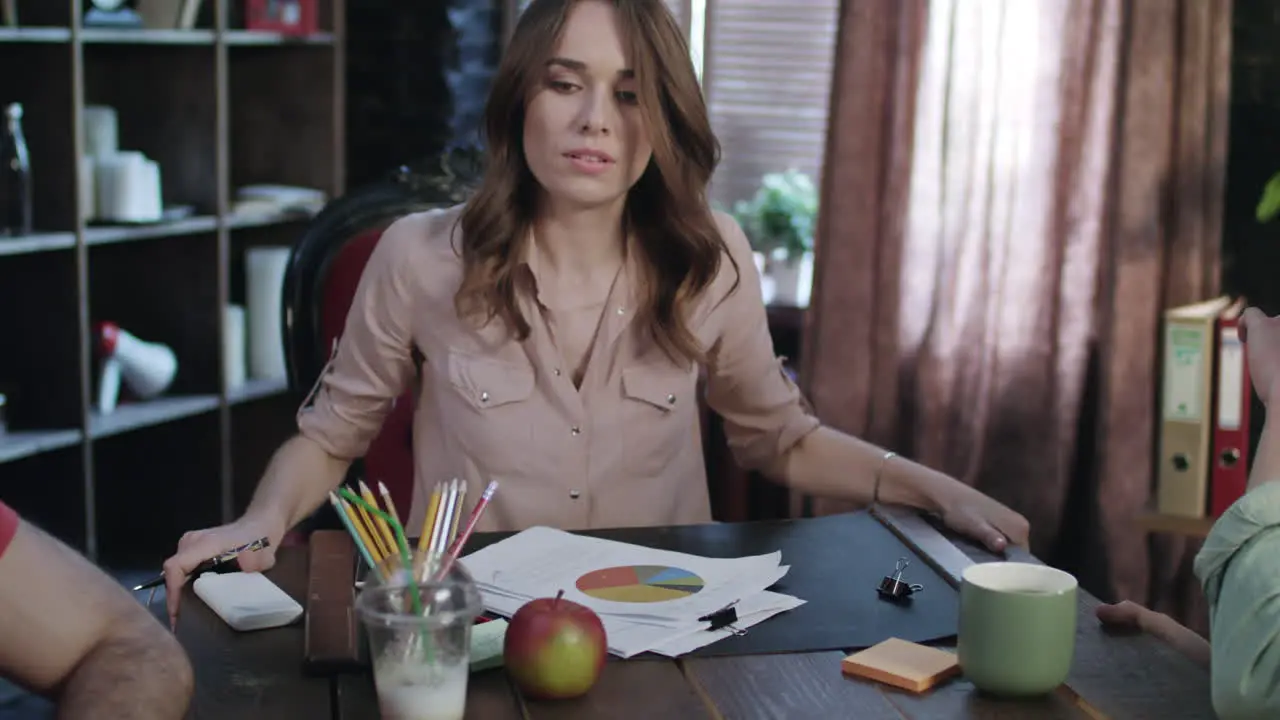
[{"x": 1239, "y": 568}]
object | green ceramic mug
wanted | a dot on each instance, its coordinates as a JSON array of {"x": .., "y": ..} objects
[{"x": 1017, "y": 627}]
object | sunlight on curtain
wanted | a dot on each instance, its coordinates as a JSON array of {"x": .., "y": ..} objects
[{"x": 985, "y": 189}]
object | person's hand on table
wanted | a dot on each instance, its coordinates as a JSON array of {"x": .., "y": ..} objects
[
  {"x": 1128, "y": 615},
  {"x": 198, "y": 546},
  {"x": 982, "y": 518}
]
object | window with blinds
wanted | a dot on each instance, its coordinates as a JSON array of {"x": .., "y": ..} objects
[
  {"x": 682, "y": 9},
  {"x": 767, "y": 76}
]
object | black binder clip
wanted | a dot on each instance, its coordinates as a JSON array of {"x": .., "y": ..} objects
[
  {"x": 894, "y": 588},
  {"x": 723, "y": 619}
]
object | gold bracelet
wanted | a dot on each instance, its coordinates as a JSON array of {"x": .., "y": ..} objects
[{"x": 875, "y": 493}]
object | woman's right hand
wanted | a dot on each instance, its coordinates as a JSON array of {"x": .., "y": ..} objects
[{"x": 198, "y": 546}]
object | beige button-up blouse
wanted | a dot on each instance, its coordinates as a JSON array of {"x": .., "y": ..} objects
[{"x": 623, "y": 449}]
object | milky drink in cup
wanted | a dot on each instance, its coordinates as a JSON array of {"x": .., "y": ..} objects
[
  {"x": 420, "y": 647},
  {"x": 412, "y": 690}
]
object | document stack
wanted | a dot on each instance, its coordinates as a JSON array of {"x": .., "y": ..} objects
[{"x": 649, "y": 600}]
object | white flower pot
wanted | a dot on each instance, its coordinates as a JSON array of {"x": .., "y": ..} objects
[
  {"x": 792, "y": 277},
  {"x": 768, "y": 287}
]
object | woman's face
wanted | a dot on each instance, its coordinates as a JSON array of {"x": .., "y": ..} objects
[{"x": 584, "y": 139}]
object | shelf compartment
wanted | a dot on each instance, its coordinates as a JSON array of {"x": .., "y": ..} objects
[
  {"x": 162, "y": 291},
  {"x": 137, "y": 415},
  {"x": 102, "y": 235},
  {"x": 152, "y": 486},
  {"x": 257, "y": 389},
  {"x": 285, "y": 120},
  {"x": 44, "y": 89},
  {"x": 23, "y": 444},
  {"x": 43, "y": 14},
  {"x": 326, "y": 10},
  {"x": 36, "y": 242},
  {"x": 179, "y": 134},
  {"x": 40, "y": 366},
  {"x": 1195, "y": 527}
]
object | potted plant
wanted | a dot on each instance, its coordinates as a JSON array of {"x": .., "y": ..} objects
[{"x": 779, "y": 221}]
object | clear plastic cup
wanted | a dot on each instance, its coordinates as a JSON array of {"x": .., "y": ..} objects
[{"x": 419, "y": 648}]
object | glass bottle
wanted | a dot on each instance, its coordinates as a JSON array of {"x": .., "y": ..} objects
[{"x": 15, "y": 176}]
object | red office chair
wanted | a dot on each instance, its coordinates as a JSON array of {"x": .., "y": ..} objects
[{"x": 320, "y": 282}]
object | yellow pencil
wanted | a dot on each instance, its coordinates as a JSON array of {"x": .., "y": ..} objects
[
  {"x": 361, "y": 531},
  {"x": 388, "y": 537},
  {"x": 428, "y": 519},
  {"x": 373, "y": 531}
]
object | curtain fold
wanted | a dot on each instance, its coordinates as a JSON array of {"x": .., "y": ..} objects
[{"x": 1013, "y": 192}]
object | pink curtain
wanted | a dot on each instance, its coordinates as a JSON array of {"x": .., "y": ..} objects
[{"x": 1013, "y": 192}]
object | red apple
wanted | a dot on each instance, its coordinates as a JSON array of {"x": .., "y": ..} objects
[{"x": 554, "y": 648}]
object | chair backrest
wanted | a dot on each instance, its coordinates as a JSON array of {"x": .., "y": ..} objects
[{"x": 324, "y": 269}]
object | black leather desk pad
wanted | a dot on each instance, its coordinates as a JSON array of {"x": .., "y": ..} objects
[{"x": 836, "y": 563}]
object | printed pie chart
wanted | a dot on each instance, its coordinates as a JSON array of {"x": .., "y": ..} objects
[{"x": 639, "y": 583}]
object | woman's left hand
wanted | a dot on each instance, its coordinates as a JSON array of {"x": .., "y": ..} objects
[{"x": 982, "y": 518}]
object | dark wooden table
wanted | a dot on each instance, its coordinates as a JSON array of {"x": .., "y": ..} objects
[{"x": 259, "y": 675}]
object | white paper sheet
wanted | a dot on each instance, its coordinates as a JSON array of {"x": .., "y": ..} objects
[{"x": 666, "y": 592}]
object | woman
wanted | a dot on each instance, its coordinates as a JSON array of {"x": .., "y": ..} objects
[
  {"x": 1238, "y": 566},
  {"x": 565, "y": 311}
]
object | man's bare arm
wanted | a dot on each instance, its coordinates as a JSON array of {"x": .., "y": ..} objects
[{"x": 71, "y": 633}]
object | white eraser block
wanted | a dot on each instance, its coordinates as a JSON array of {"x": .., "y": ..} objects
[{"x": 247, "y": 601}]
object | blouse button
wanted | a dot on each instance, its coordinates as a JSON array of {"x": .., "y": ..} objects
[
  {"x": 574, "y": 494},
  {"x": 671, "y": 399},
  {"x": 484, "y": 397},
  {"x": 557, "y": 372},
  {"x": 574, "y": 430}
]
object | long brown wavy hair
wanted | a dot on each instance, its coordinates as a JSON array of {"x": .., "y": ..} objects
[{"x": 667, "y": 212}]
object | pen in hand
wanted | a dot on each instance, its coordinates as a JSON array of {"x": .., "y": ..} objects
[{"x": 211, "y": 564}]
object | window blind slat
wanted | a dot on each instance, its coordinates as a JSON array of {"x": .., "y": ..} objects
[{"x": 767, "y": 81}]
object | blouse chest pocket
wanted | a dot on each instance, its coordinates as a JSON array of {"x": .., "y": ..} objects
[
  {"x": 488, "y": 411},
  {"x": 658, "y": 417},
  {"x": 488, "y": 383}
]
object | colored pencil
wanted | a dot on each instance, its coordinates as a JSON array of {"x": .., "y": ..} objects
[
  {"x": 438, "y": 524},
  {"x": 455, "y": 549},
  {"x": 428, "y": 520},
  {"x": 386, "y": 500},
  {"x": 383, "y": 528},
  {"x": 374, "y": 535},
  {"x": 351, "y": 529},
  {"x": 457, "y": 513},
  {"x": 362, "y": 535}
]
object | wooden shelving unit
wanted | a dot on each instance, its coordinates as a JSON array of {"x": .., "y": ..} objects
[
  {"x": 1154, "y": 522},
  {"x": 218, "y": 107}
]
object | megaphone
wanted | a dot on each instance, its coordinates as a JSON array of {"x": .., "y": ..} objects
[{"x": 146, "y": 368}]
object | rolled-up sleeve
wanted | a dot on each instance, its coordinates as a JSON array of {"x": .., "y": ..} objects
[
  {"x": 763, "y": 410},
  {"x": 1239, "y": 569},
  {"x": 373, "y": 361}
]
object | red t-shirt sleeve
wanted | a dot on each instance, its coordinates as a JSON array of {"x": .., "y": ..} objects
[{"x": 8, "y": 526}]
